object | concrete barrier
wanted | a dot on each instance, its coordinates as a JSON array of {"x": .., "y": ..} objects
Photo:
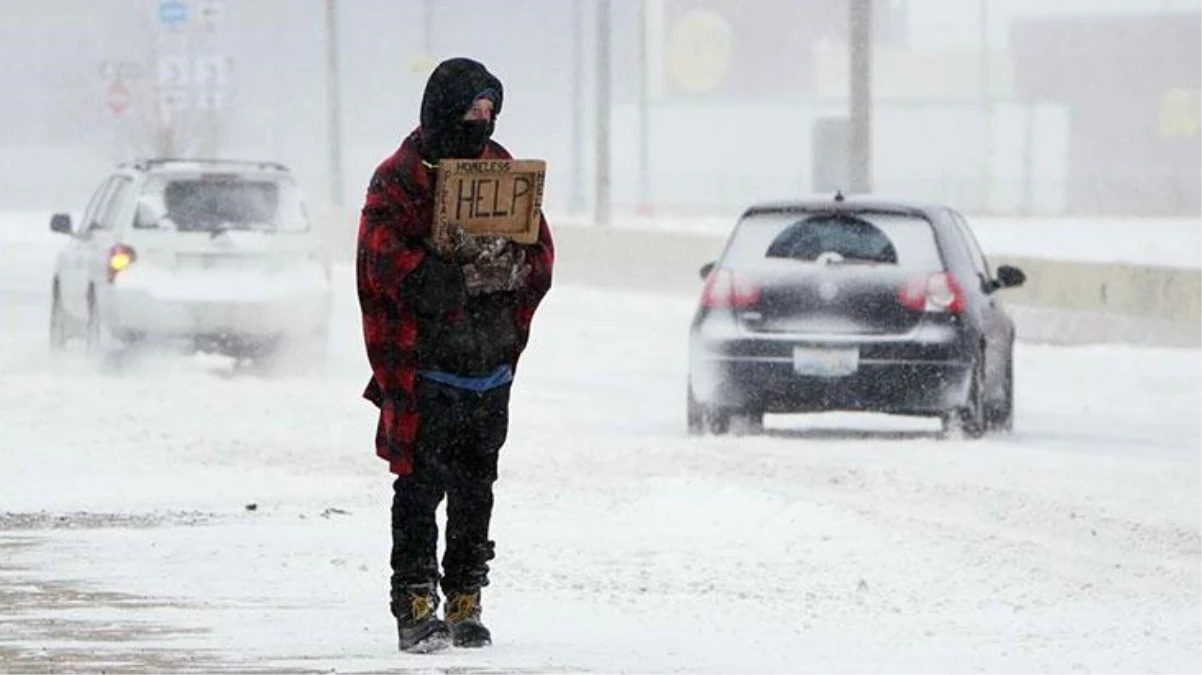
[
  {"x": 1062, "y": 301},
  {"x": 1169, "y": 293}
]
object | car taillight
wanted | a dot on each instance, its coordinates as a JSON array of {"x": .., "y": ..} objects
[
  {"x": 120, "y": 257},
  {"x": 939, "y": 292},
  {"x": 726, "y": 290}
]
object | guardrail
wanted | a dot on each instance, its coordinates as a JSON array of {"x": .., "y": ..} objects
[{"x": 1062, "y": 301}]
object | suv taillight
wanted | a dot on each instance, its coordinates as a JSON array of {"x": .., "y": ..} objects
[
  {"x": 939, "y": 292},
  {"x": 726, "y": 290},
  {"x": 120, "y": 257}
]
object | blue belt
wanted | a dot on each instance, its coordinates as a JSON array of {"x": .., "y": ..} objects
[{"x": 498, "y": 378}]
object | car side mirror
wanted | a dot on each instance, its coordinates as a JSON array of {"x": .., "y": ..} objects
[
  {"x": 1009, "y": 276},
  {"x": 706, "y": 269},
  {"x": 61, "y": 223}
]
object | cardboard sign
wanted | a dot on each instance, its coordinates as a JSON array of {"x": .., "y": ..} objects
[{"x": 489, "y": 196}]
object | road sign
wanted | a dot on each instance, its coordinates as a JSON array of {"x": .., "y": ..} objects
[
  {"x": 118, "y": 97},
  {"x": 174, "y": 71},
  {"x": 700, "y": 49},
  {"x": 173, "y": 99},
  {"x": 173, "y": 12},
  {"x": 210, "y": 11},
  {"x": 1179, "y": 113},
  {"x": 121, "y": 70},
  {"x": 212, "y": 71},
  {"x": 212, "y": 100}
]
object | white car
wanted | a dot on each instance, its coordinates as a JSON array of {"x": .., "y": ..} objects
[{"x": 217, "y": 253}]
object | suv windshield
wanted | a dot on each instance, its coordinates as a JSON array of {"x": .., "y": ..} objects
[
  {"x": 850, "y": 238},
  {"x": 208, "y": 203}
]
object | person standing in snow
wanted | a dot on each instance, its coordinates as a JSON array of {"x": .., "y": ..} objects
[{"x": 443, "y": 332}]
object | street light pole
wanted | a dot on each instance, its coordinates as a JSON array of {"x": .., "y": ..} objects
[
  {"x": 603, "y": 112},
  {"x": 986, "y": 110},
  {"x": 428, "y": 28},
  {"x": 333, "y": 105},
  {"x": 644, "y": 191},
  {"x": 860, "y": 45},
  {"x": 577, "y": 204}
]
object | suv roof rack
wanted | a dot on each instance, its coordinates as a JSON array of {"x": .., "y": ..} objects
[{"x": 144, "y": 164}]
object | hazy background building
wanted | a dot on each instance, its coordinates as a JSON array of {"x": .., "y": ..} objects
[{"x": 998, "y": 106}]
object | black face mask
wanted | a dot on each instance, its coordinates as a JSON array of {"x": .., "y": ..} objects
[{"x": 465, "y": 140}]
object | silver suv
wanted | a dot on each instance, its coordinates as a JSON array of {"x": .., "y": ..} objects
[{"x": 218, "y": 253}]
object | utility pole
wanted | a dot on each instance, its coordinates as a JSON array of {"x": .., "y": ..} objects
[
  {"x": 860, "y": 139},
  {"x": 985, "y": 74},
  {"x": 577, "y": 203},
  {"x": 643, "y": 203},
  {"x": 333, "y": 105},
  {"x": 603, "y": 112},
  {"x": 986, "y": 110},
  {"x": 428, "y": 28}
]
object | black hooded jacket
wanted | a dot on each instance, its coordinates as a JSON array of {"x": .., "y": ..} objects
[
  {"x": 450, "y": 92},
  {"x": 416, "y": 313},
  {"x": 479, "y": 334}
]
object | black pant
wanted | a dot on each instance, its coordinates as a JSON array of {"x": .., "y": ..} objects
[{"x": 459, "y": 435}]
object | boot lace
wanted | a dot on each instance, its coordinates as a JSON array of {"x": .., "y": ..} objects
[
  {"x": 420, "y": 607},
  {"x": 461, "y": 607}
]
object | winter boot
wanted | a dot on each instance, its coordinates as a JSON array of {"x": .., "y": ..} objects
[
  {"x": 419, "y": 630},
  {"x": 463, "y": 617}
]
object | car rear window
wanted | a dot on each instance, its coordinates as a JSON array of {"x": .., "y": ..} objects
[
  {"x": 211, "y": 203},
  {"x": 814, "y": 238}
]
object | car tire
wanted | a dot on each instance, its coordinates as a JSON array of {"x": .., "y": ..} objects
[
  {"x": 720, "y": 421},
  {"x": 702, "y": 418},
  {"x": 970, "y": 419},
  {"x": 747, "y": 422},
  {"x": 717, "y": 420},
  {"x": 101, "y": 343},
  {"x": 1001, "y": 415},
  {"x": 694, "y": 415},
  {"x": 58, "y": 321},
  {"x": 93, "y": 330},
  {"x": 972, "y": 415}
]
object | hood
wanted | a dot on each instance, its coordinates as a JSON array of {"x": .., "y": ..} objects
[{"x": 451, "y": 90}]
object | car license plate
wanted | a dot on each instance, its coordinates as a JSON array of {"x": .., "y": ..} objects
[{"x": 826, "y": 361}]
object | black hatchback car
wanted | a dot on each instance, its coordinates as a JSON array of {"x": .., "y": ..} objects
[{"x": 854, "y": 304}]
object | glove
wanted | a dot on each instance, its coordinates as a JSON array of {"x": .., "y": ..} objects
[
  {"x": 493, "y": 248},
  {"x": 466, "y": 248},
  {"x": 504, "y": 271},
  {"x": 461, "y": 247}
]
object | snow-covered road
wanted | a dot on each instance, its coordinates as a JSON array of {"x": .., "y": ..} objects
[{"x": 845, "y": 543}]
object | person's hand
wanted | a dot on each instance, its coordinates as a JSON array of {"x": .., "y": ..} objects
[
  {"x": 461, "y": 247},
  {"x": 504, "y": 271},
  {"x": 467, "y": 248},
  {"x": 492, "y": 247}
]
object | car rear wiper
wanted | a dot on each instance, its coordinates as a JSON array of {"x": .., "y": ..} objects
[
  {"x": 853, "y": 260},
  {"x": 836, "y": 258}
]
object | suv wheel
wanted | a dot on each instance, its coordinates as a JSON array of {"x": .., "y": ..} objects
[
  {"x": 58, "y": 322},
  {"x": 101, "y": 342}
]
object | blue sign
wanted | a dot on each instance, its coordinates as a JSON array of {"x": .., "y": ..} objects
[{"x": 173, "y": 12}]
